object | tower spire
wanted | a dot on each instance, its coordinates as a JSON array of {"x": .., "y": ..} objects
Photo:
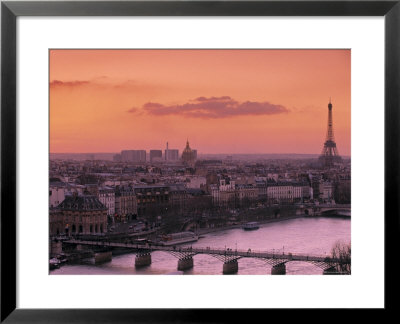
[{"x": 330, "y": 152}]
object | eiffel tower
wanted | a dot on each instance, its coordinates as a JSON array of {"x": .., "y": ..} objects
[{"x": 330, "y": 153}]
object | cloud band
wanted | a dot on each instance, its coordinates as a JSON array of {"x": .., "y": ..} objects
[{"x": 214, "y": 107}]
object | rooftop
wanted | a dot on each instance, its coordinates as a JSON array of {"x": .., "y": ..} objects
[{"x": 81, "y": 202}]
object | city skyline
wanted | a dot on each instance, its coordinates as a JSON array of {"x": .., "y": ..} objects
[
  {"x": 230, "y": 102},
  {"x": 200, "y": 153}
]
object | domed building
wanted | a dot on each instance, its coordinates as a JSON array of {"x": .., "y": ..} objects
[{"x": 189, "y": 156}]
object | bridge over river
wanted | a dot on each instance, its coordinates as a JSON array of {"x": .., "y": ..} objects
[
  {"x": 229, "y": 257},
  {"x": 325, "y": 210}
]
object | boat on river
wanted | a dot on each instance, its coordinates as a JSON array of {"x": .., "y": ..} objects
[
  {"x": 251, "y": 226},
  {"x": 54, "y": 263},
  {"x": 178, "y": 238}
]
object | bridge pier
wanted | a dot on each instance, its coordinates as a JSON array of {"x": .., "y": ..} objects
[
  {"x": 185, "y": 263},
  {"x": 102, "y": 257},
  {"x": 143, "y": 259},
  {"x": 279, "y": 269},
  {"x": 230, "y": 267},
  {"x": 330, "y": 271},
  {"x": 55, "y": 248}
]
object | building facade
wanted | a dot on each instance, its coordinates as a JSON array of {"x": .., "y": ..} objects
[
  {"x": 133, "y": 156},
  {"x": 78, "y": 214},
  {"x": 326, "y": 189},
  {"x": 229, "y": 193},
  {"x": 288, "y": 192},
  {"x": 171, "y": 154},
  {"x": 152, "y": 199},
  {"x": 57, "y": 192},
  {"x": 125, "y": 203},
  {"x": 178, "y": 198},
  {"x": 246, "y": 193},
  {"x": 107, "y": 198},
  {"x": 155, "y": 155}
]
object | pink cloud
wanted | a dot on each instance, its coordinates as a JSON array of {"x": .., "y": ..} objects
[
  {"x": 77, "y": 83},
  {"x": 214, "y": 107}
]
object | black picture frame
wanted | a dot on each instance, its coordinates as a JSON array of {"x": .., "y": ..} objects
[{"x": 10, "y": 10}]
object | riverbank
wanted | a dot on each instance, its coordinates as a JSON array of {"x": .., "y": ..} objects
[{"x": 203, "y": 231}]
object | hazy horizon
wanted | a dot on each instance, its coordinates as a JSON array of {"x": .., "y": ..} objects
[{"x": 201, "y": 155}]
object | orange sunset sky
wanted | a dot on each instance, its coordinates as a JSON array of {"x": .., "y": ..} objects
[{"x": 223, "y": 101}]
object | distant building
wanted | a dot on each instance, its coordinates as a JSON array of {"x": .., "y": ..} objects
[
  {"x": 261, "y": 190},
  {"x": 92, "y": 189},
  {"x": 155, "y": 155},
  {"x": 117, "y": 158},
  {"x": 171, "y": 154},
  {"x": 133, "y": 156},
  {"x": 196, "y": 182},
  {"x": 211, "y": 179},
  {"x": 189, "y": 156},
  {"x": 78, "y": 214},
  {"x": 229, "y": 193},
  {"x": 223, "y": 193},
  {"x": 246, "y": 192},
  {"x": 288, "y": 192}
]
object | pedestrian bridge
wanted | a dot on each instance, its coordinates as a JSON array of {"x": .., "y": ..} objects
[{"x": 229, "y": 257}]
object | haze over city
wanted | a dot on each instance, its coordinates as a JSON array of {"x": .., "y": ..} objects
[{"x": 223, "y": 101}]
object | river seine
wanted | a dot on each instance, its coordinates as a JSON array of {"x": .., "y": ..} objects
[{"x": 314, "y": 236}]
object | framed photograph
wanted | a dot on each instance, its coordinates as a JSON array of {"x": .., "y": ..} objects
[
  {"x": 223, "y": 196},
  {"x": 221, "y": 143}
]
